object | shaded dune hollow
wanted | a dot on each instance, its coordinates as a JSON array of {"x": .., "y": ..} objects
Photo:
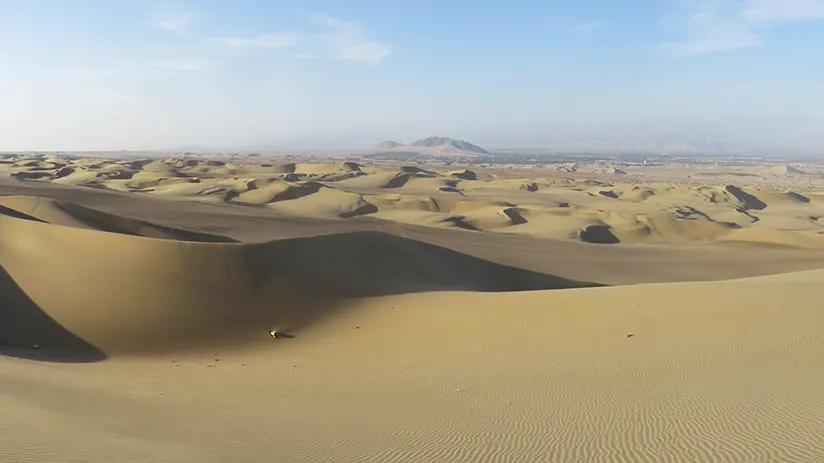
[{"x": 138, "y": 296}]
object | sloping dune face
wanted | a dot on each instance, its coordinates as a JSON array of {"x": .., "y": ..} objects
[
  {"x": 74, "y": 215},
  {"x": 386, "y": 365},
  {"x": 389, "y": 350},
  {"x": 133, "y": 294}
]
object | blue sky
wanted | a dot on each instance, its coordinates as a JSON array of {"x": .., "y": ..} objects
[{"x": 106, "y": 74}]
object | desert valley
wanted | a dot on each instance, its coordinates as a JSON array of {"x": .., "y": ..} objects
[{"x": 431, "y": 303}]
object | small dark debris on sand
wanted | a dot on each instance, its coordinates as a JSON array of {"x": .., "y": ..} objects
[{"x": 275, "y": 334}]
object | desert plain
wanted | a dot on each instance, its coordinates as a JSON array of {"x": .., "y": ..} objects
[{"x": 341, "y": 309}]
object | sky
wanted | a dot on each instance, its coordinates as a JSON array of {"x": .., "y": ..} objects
[{"x": 142, "y": 74}]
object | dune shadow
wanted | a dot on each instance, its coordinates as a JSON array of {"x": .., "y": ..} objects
[
  {"x": 363, "y": 209},
  {"x": 371, "y": 263},
  {"x": 398, "y": 180},
  {"x": 331, "y": 270},
  {"x": 598, "y": 234},
  {"x": 416, "y": 170},
  {"x": 466, "y": 175},
  {"x": 293, "y": 192},
  {"x": 747, "y": 200},
  {"x": 515, "y": 216},
  {"x": 231, "y": 295},
  {"x": 18, "y": 215},
  {"x": 459, "y": 221},
  {"x": 30, "y": 175},
  {"x": 27, "y": 332},
  {"x": 799, "y": 197}
]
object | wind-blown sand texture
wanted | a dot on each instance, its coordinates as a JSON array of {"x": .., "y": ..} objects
[{"x": 427, "y": 314}]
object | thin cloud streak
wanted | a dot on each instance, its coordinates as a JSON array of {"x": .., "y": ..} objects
[
  {"x": 336, "y": 39},
  {"x": 279, "y": 40},
  {"x": 709, "y": 31},
  {"x": 346, "y": 40},
  {"x": 131, "y": 71},
  {"x": 180, "y": 66},
  {"x": 783, "y": 11},
  {"x": 588, "y": 26},
  {"x": 172, "y": 18},
  {"x": 717, "y": 37},
  {"x": 370, "y": 52}
]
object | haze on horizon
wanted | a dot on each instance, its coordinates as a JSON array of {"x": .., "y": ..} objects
[{"x": 100, "y": 75}]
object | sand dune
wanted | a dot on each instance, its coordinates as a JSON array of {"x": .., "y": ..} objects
[
  {"x": 397, "y": 355},
  {"x": 180, "y": 294},
  {"x": 582, "y": 209},
  {"x": 327, "y": 202},
  {"x": 783, "y": 171},
  {"x": 606, "y": 212},
  {"x": 73, "y": 215},
  {"x": 277, "y": 190},
  {"x": 433, "y": 313}
]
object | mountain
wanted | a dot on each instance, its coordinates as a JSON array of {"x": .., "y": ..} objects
[
  {"x": 449, "y": 145},
  {"x": 388, "y": 145}
]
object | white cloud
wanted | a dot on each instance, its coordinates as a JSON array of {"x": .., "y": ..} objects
[
  {"x": 724, "y": 25},
  {"x": 105, "y": 95},
  {"x": 370, "y": 52},
  {"x": 336, "y": 39},
  {"x": 588, "y": 26},
  {"x": 120, "y": 72},
  {"x": 279, "y": 40},
  {"x": 179, "y": 65},
  {"x": 172, "y": 18},
  {"x": 717, "y": 37},
  {"x": 83, "y": 73},
  {"x": 328, "y": 21},
  {"x": 346, "y": 40},
  {"x": 782, "y": 11}
]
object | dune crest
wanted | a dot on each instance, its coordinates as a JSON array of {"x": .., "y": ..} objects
[{"x": 184, "y": 295}]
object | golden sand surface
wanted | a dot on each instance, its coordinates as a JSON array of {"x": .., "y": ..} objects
[{"x": 423, "y": 314}]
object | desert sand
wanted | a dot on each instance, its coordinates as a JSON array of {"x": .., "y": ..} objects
[{"x": 425, "y": 313}]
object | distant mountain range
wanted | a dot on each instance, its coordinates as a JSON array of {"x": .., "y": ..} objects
[
  {"x": 759, "y": 136},
  {"x": 435, "y": 146}
]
